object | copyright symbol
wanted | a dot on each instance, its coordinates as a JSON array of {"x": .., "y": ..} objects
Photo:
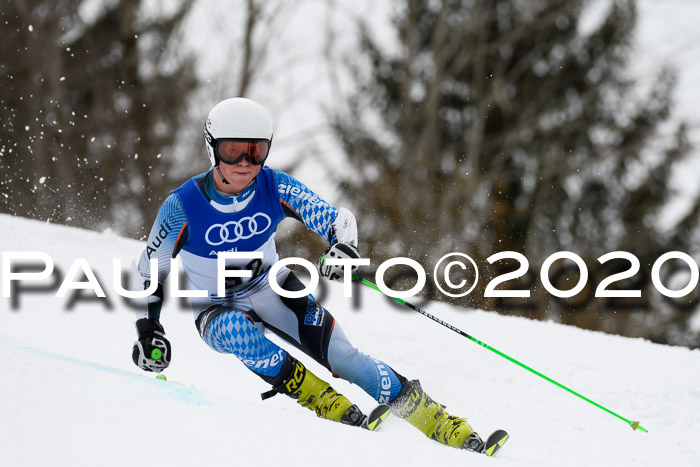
[{"x": 459, "y": 263}]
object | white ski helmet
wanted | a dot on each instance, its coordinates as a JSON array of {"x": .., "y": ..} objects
[{"x": 238, "y": 119}]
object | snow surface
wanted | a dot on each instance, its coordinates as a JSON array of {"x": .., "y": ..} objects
[{"x": 70, "y": 395}]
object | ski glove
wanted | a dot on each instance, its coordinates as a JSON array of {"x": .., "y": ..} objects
[
  {"x": 151, "y": 351},
  {"x": 337, "y": 251}
]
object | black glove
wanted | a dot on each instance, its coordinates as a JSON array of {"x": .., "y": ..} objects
[
  {"x": 337, "y": 251},
  {"x": 151, "y": 351}
]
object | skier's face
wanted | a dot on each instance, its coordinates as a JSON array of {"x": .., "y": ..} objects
[{"x": 238, "y": 175}]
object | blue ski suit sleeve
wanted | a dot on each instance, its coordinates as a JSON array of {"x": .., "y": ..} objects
[
  {"x": 299, "y": 202},
  {"x": 167, "y": 234}
]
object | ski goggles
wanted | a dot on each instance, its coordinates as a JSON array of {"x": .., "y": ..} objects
[{"x": 232, "y": 151}]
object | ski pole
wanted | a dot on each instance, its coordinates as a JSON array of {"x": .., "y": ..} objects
[{"x": 635, "y": 425}]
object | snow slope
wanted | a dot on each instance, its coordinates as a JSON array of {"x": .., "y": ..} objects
[{"x": 70, "y": 395}]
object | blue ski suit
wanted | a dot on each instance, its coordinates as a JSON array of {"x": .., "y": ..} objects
[{"x": 196, "y": 223}]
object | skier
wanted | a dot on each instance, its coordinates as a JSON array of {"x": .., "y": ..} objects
[{"x": 237, "y": 206}]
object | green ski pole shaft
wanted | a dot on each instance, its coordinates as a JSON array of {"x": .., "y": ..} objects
[{"x": 633, "y": 424}]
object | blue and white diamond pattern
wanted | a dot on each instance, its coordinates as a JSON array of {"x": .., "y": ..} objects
[
  {"x": 316, "y": 213},
  {"x": 232, "y": 332},
  {"x": 318, "y": 217}
]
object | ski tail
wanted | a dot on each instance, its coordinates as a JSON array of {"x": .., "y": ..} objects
[
  {"x": 376, "y": 417},
  {"x": 494, "y": 442}
]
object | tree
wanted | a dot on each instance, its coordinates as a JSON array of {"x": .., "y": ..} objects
[
  {"x": 87, "y": 107},
  {"x": 501, "y": 126}
]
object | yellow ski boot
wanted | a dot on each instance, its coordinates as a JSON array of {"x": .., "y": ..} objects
[
  {"x": 315, "y": 394},
  {"x": 417, "y": 408}
]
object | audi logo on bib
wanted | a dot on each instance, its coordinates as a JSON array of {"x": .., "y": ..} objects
[{"x": 241, "y": 229}]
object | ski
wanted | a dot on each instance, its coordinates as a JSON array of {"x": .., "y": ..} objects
[
  {"x": 376, "y": 417},
  {"x": 495, "y": 442}
]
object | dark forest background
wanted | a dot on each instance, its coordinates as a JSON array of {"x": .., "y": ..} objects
[{"x": 494, "y": 126}]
